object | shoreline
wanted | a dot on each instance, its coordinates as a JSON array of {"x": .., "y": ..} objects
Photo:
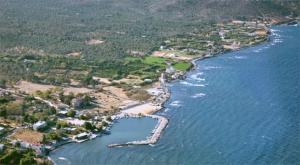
[
  {"x": 168, "y": 93},
  {"x": 157, "y": 133},
  {"x": 199, "y": 63}
]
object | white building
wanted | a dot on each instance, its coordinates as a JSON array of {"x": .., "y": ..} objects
[
  {"x": 148, "y": 81},
  {"x": 170, "y": 70},
  {"x": 1, "y": 130},
  {"x": 1, "y": 147},
  {"x": 39, "y": 125}
]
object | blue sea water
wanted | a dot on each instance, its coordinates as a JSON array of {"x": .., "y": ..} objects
[{"x": 238, "y": 108}]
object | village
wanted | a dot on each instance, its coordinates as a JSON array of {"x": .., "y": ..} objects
[{"x": 47, "y": 116}]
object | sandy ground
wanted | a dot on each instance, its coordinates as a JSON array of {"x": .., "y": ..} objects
[
  {"x": 170, "y": 55},
  {"x": 8, "y": 122},
  {"x": 155, "y": 90},
  {"x": 102, "y": 80},
  {"x": 145, "y": 109},
  {"x": 27, "y": 135},
  {"x": 94, "y": 42},
  {"x": 110, "y": 98},
  {"x": 31, "y": 88},
  {"x": 74, "y": 54},
  {"x": 130, "y": 81}
]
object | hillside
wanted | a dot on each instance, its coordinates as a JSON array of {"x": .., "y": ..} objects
[
  {"x": 106, "y": 31},
  {"x": 60, "y": 27}
]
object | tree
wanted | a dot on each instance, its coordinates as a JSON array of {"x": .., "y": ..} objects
[
  {"x": 50, "y": 111},
  {"x": 87, "y": 100},
  {"x": 83, "y": 117},
  {"x": 68, "y": 98},
  {"x": 104, "y": 123},
  {"x": 28, "y": 159},
  {"x": 61, "y": 124},
  {"x": 88, "y": 80},
  {"x": 3, "y": 112},
  {"x": 12, "y": 157},
  {"x": 44, "y": 139},
  {"x": 109, "y": 118},
  {"x": 71, "y": 113},
  {"x": 2, "y": 83},
  {"x": 53, "y": 136},
  {"x": 89, "y": 126}
]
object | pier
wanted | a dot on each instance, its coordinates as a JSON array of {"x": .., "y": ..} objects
[{"x": 155, "y": 135}]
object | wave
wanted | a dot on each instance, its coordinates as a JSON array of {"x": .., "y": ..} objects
[
  {"x": 198, "y": 95},
  {"x": 191, "y": 84},
  {"x": 166, "y": 110},
  {"x": 275, "y": 30},
  {"x": 278, "y": 40},
  {"x": 176, "y": 103},
  {"x": 238, "y": 57},
  {"x": 62, "y": 158},
  {"x": 211, "y": 67},
  {"x": 266, "y": 47},
  {"x": 67, "y": 161},
  {"x": 257, "y": 51},
  {"x": 197, "y": 77}
]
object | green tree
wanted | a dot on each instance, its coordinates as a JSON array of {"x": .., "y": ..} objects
[
  {"x": 28, "y": 159},
  {"x": 89, "y": 126},
  {"x": 2, "y": 83},
  {"x": 3, "y": 112},
  {"x": 12, "y": 157},
  {"x": 71, "y": 113}
]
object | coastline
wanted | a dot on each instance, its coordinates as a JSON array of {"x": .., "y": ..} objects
[
  {"x": 193, "y": 61},
  {"x": 174, "y": 116},
  {"x": 156, "y": 135}
]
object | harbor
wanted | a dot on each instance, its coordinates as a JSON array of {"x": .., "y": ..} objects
[
  {"x": 147, "y": 109},
  {"x": 155, "y": 134}
]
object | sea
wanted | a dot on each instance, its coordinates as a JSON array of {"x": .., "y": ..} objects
[{"x": 241, "y": 107}]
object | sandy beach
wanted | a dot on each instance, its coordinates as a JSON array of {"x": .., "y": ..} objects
[{"x": 145, "y": 109}]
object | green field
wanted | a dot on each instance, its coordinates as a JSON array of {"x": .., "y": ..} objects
[
  {"x": 151, "y": 60},
  {"x": 182, "y": 66}
]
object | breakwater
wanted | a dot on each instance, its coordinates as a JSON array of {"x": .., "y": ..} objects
[{"x": 155, "y": 135}]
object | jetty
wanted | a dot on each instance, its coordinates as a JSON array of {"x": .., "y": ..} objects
[{"x": 155, "y": 135}]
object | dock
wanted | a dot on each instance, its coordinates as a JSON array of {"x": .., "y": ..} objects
[{"x": 155, "y": 135}]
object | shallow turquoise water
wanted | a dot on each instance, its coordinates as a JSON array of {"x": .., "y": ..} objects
[{"x": 238, "y": 108}]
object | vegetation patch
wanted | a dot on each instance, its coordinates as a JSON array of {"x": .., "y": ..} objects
[
  {"x": 151, "y": 60},
  {"x": 182, "y": 66}
]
